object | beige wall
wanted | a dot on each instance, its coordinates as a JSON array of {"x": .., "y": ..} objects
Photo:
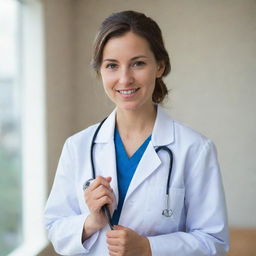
[
  {"x": 213, "y": 51},
  {"x": 60, "y": 87}
]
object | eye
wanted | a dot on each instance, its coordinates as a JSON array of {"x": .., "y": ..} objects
[
  {"x": 139, "y": 63},
  {"x": 111, "y": 66}
]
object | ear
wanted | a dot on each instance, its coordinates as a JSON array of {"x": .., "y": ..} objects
[{"x": 160, "y": 69}]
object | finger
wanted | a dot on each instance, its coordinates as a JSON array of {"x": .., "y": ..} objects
[
  {"x": 114, "y": 241},
  {"x": 108, "y": 179},
  {"x": 114, "y": 234},
  {"x": 105, "y": 200},
  {"x": 119, "y": 227},
  {"x": 96, "y": 200},
  {"x": 112, "y": 253},
  {"x": 114, "y": 250},
  {"x": 100, "y": 181},
  {"x": 95, "y": 205},
  {"x": 100, "y": 192}
]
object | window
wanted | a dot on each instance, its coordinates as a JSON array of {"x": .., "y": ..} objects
[
  {"x": 10, "y": 130},
  {"x": 22, "y": 128}
]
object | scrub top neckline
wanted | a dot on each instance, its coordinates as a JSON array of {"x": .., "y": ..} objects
[{"x": 140, "y": 150}]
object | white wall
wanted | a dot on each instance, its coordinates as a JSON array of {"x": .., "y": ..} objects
[{"x": 213, "y": 51}]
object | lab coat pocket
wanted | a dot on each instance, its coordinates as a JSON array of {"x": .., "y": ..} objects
[{"x": 155, "y": 222}]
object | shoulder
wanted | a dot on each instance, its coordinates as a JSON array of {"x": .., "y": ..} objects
[
  {"x": 187, "y": 133},
  {"x": 82, "y": 138},
  {"x": 170, "y": 131},
  {"x": 192, "y": 141},
  {"x": 83, "y": 134},
  {"x": 177, "y": 129}
]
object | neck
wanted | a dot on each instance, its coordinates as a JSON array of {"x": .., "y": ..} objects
[{"x": 139, "y": 121}]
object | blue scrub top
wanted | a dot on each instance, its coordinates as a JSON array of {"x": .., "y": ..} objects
[{"x": 125, "y": 167}]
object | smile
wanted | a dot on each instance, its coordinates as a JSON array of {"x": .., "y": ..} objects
[{"x": 128, "y": 92}]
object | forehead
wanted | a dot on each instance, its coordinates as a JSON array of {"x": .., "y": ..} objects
[{"x": 127, "y": 46}]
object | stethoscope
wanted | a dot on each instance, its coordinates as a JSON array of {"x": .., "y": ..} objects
[{"x": 167, "y": 212}]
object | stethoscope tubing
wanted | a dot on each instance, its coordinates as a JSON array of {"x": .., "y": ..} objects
[
  {"x": 105, "y": 208},
  {"x": 166, "y": 212},
  {"x": 92, "y": 146},
  {"x": 170, "y": 165}
]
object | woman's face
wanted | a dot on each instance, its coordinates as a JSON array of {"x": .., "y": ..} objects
[{"x": 129, "y": 71}]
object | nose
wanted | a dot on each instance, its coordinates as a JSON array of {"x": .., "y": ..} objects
[{"x": 126, "y": 77}]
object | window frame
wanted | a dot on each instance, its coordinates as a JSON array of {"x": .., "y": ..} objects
[{"x": 33, "y": 126}]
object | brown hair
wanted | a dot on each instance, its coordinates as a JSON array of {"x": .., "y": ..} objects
[{"x": 122, "y": 22}]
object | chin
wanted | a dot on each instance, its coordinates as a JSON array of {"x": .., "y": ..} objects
[{"x": 131, "y": 106}]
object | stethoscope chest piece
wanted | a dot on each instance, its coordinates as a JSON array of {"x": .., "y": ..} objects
[
  {"x": 167, "y": 212},
  {"x": 87, "y": 183}
]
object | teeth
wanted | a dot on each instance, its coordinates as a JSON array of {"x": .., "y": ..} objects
[{"x": 127, "y": 92}]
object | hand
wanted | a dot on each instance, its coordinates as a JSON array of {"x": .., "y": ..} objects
[
  {"x": 125, "y": 242},
  {"x": 96, "y": 195}
]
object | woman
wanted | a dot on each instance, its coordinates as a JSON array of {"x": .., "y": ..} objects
[{"x": 131, "y": 171}]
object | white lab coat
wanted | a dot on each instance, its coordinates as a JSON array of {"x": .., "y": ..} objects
[{"x": 198, "y": 226}]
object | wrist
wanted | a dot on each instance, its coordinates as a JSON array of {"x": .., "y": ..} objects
[{"x": 90, "y": 227}]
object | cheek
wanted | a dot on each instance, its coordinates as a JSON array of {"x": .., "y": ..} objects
[
  {"x": 149, "y": 76},
  {"x": 107, "y": 80},
  {"x": 149, "y": 80}
]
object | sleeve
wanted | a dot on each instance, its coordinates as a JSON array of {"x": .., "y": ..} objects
[
  {"x": 63, "y": 217},
  {"x": 205, "y": 210}
]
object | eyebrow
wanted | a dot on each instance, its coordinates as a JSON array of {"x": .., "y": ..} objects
[{"x": 134, "y": 58}]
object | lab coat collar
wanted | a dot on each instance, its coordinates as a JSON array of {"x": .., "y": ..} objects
[
  {"x": 163, "y": 131},
  {"x": 106, "y": 132},
  {"x": 163, "y": 134}
]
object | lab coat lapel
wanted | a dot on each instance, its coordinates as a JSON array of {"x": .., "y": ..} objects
[
  {"x": 104, "y": 153},
  {"x": 106, "y": 164},
  {"x": 163, "y": 134},
  {"x": 147, "y": 165}
]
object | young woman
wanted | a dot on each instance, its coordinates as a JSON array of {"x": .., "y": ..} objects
[{"x": 159, "y": 179}]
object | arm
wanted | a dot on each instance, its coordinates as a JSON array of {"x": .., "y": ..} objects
[
  {"x": 206, "y": 222},
  {"x": 64, "y": 220}
]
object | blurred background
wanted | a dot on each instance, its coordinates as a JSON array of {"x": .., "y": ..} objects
[{"x": 48, "y": 92}]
